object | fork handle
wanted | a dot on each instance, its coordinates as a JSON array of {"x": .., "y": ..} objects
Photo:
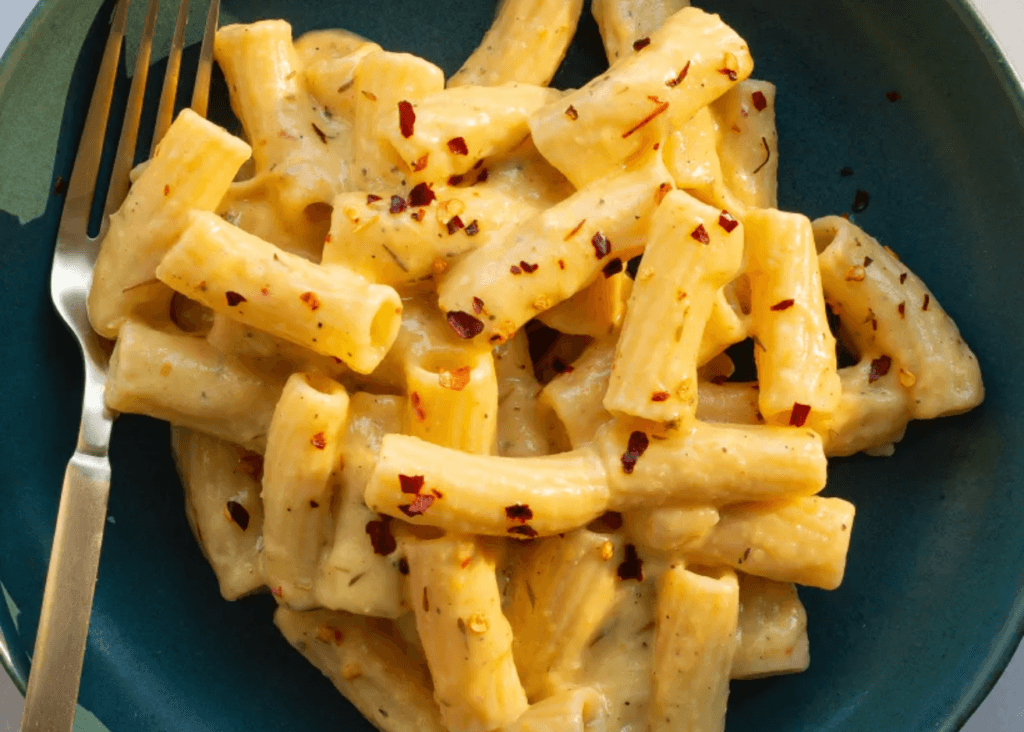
[{"x": 52, "y": 694}]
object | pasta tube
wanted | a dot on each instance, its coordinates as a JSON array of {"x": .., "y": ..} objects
[
  {"x": 724, "y": 328},
  {"x": 526, "y": 43},
  {"x": 708, "y": 464},
  {"x": 873, "y": 412},
  {"x": 803, "y": 540},
  {"x": 222, "y": 503},
  {"x": 467, "y": 640},
  {"x": 597, "y": 310},
  {"x": 576, "y": 397},
  {"x": 623, "y": 23},
  {"x": 389, "y": 243},
  {"x": 553, "y": 256},
  {"x": 329, "y": 62},
  {"x": 691, "y": 156},
  {"x": 294, "y": 143},
  {"x": 447, "y": 133},
  {"x": 520, "y": 498},
  {"x": 795, "y": 351},
  {"x": 694, "y": 645},
  {"x": 691, "y": 60},
  {"x": 382, "y": 81},
  {"x": 361, "y": 571},
  {"x": 672, "y": 528},
  {"x": 886, "y": 309},
  {"x": 693, "y": 251},
  {"x": 562, "y": 592},
  {"x": 188, "y": 382},
  {"x": 329, "y": 310},
  {"x": 191, "y": 169},
  {"x": 748, "y": 143},
  {"x": 771, "y": 637},
  {"x": 732, "y": 402},
  {"x": 299, "y": 468},
  {"x": 574, "y": 710},
  {"x": 454, "y": 403},
  {"x": 366, "y": 661}
]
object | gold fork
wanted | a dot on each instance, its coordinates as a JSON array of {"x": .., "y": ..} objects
[{"x": 52, "y": 694}]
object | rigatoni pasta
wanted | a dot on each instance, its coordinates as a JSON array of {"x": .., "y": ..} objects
[{"x": 451, "y": 374}]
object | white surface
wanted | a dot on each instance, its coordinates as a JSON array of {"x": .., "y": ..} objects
[{"x": 1003, "y": 710}]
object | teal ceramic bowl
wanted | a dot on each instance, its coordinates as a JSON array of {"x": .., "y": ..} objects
[{"x": 932, "y": 604}]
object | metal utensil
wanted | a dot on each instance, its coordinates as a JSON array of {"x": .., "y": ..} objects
[{"x": 52, "y": 694}]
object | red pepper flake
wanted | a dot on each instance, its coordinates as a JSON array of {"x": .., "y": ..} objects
[
  {"x": 421, "y": 163},
  {"x": 701, "y": 234},
  {"x": 478, "y": 305},
  {"x": 410, "y": 483},
  {"x": 902, "y": 307},
  {"x": 457, "y": 146},
  {"x": 381, "y": 538},
  {"x": 719, "y": 379},
  {"x": 277, "y": 591},
  {"x": 571, "y": 113},
  {"x": 635, "y": 447},
  {"x": 677, "y": 80},
  {"x": 406, "y": 118},
  {"x": 464, "y": 324},
  {"x": 632, "y": 567},
  {"x": 768, "y": 155},
  {"x": 473, "y": 229},
  {"x": 782, "y": 305},
  {"x": 903, "y": 278},
  {"x": 731, "y": 73},
  {"x": 234, "y": 298},
  {"x": 311, "y": 300},
  {"x": 518, "y": 512},
  {"x": 454, "y": 224},
  {"x": 318, "y": 441},
  {"x": 893, "y": 96},
  {"x": 868, "y": 261},
  {"x": 879, "y": 368},
  {"x": 523, "y": 530},
  {"x": 641, "y": 43},
  {"x": 529, "y": 268},
  {"x": 482, "y": 177},
  {"x": 238, "y": 514},
  {"x": 659, "y": 396},
  {"x": 514, "y": 269},
  {"x": 403, "y": 566},
  {"x": 421, "y": 195},
  {"x": 59, "y": 186},
  {"x": 419, "y": 505},
  {"x": 612, "y": 268},
  {"x": 861, "y": 199},
  {"x": 417, "y": 215},
  {"x": 659, "y": 109},
  {"x": 417, "y": 406},
  {"x": 602, "y": 247},
  {"x": 728, "y": 222},
  {"x": 760, "y": 103},
  {"x": 575, "y": 230},
  {"x": 927, "y": 300},
  {"x": 661, "y": 192},
  {"x": 397, "y": 205},
  {"x": 319, "y": 133},
  {"x": 370, "y": 198},
  {"x": 798, "y": 417},
  {"x": 454, "y": 180},
  {"x": 561, "y": 264},
  {"x": 167, "y": 190}
]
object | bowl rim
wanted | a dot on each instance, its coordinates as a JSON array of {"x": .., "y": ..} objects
[{"x": 13, "y": 656}]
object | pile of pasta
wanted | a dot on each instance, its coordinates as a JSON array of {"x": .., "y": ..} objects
[{"x": 337, "y": 315}]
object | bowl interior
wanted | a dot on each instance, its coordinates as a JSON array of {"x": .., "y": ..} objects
[{"x": 931, "y": 606}]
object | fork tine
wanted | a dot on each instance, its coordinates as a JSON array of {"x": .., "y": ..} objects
[
  {"x": 130, "y": 131},
  {"x": 201, "y": 94},
  {"x": 82, "y": 186},
  {"x": 170, "y": 91}
]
